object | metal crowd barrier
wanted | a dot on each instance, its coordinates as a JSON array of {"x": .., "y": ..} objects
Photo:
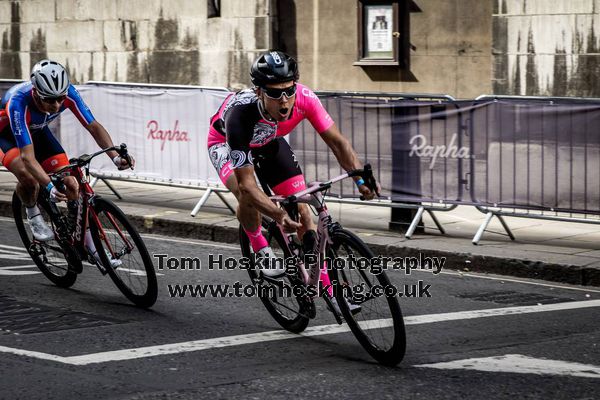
[
  {"x": 540, "y": 174},
  {"x": 534, "y": 157},
  {"x": 366, "y": 121},
  {"x": 208, "y": 188}
]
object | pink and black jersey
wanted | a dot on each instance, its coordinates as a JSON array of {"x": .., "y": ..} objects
[{"x": 240, "y": 123}]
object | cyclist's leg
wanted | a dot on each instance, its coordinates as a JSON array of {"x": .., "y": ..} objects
[
  {"x": 247, "y": 215},
  {"x": 52, "y": 157},
  {"x": 219, "y": 157},
  {"x": 27, "y": 186},
  {"x": 277, "y": 167}
]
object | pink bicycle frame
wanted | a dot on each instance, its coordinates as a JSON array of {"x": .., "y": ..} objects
[{"x": 313, "y": 196}]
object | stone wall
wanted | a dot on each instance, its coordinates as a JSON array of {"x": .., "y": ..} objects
[
  {"x": 547, "y": 47},
  {"x": 157, "y": 41},
  {"x": 462, "y": 47},
  {"x": 452, "y": 38}
]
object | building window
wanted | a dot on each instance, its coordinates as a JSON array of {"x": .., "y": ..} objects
[
  {"x": 384, "y": 32},
  {"x": 214, "y": 8}
]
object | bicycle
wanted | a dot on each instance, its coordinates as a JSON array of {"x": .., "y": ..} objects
[
  {"x": 354, "y": 288},
  {"x": 60, "y": 259}
]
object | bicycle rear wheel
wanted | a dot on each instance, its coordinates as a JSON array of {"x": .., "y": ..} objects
[
  {"x": 58, "y": 263},
  {"x": 376, "y": 321},
  {"x": 115, "y": 236},
  {"x": 289, "y": 312}
]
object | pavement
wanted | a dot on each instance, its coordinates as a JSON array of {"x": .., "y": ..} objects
[{"x": 550, "y": 250}]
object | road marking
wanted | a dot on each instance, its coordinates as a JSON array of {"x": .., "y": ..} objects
[
  {"x": 19, "y": 266},
  {"x": 136, "y": 272},
  {"x": 452, "y": 273},
  {"x": 33, "y": 354},
  {"x": 189, "y": 241},
  {"x": 8, "y": 271},
  {"x": 517, "y": 363},
  {"x": 5, "y": 246},
  {"x": 15, "y": 253},
  {"x": 507, "y": 279},
  {"x": 270, "y": 336}
]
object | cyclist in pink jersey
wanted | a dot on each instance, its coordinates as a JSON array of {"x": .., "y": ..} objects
[{"x": 246, "y": 136}]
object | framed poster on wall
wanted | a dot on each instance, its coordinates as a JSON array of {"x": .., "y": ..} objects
[{"x": 383, "y": 32}]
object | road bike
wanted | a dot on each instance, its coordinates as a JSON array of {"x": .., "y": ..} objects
[
  {"x": 122, "y": 252},
  {"x": 356, "y": 291}
]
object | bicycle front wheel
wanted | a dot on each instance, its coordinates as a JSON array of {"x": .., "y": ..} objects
[
  {"x": 58, "y": 263},
  {"x": 115, "y": 238},
  {"x": 375, "y": 319},
  {"x": 289, "y": 312}
]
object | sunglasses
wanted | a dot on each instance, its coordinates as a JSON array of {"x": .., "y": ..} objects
[
  {"x": 277, "y": 93},
  {"x": 50, "y": 100}
]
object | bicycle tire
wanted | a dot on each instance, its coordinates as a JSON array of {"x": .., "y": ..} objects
[
  {"x": 397, "y": 346},
  {"x": 295, "y": 324},
  {"x": 105, "y": 209},
  {"x": 51, "y": 252}
]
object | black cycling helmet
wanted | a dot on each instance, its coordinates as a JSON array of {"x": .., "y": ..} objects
[{"x": 274, "y": 67}]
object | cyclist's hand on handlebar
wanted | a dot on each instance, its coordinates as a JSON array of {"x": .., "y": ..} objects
[
  {"x": 368, "y": 194},
  {"x": 55, "y": 195},
  {"x": 369, "y": 187},
  {"x": 289, "y": 225},
  {"x": 124, "y": 162}
]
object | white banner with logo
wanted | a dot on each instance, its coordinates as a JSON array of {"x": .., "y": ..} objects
[{"x": 165, "y": 130}]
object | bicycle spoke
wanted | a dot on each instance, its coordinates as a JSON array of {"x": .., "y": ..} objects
[
  {"x": 375, "y": 316},
  {"x": 123, "y": 253}
]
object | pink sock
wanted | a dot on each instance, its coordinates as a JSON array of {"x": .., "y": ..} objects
[
  {"x": 257, "y": 240},
  {"x": 325, "y": 280}
]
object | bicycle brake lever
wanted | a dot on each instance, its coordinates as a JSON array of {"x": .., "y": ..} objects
[
  {"x": 122, "y": 151},
  {"x": 291, "y": 207},
  {"x": 369, "y": 179}
]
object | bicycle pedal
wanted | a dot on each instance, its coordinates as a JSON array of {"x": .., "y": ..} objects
[
  {"x": 35, "y": 249},
  {"x": 102, "y": 270},
  {"x": 309, "y": 309},
  {"x": 92, "y": 260}
]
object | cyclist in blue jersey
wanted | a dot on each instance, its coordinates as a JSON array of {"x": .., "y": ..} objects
[{"x": 30, "y": 150}]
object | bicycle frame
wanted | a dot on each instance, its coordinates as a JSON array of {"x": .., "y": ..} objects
[
  {"x": 313, "y": 197},
  {"x": 85, "y": 205}
]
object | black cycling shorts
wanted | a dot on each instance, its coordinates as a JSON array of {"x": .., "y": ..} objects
[{"x": 48, "y": 151}]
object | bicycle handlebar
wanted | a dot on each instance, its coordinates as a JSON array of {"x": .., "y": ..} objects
[
  {"x": 83, "y": 160},
  {"x": 366, "y": 174}
]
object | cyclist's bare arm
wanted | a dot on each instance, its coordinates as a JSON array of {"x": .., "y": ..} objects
[
  {"x": 103, "y": 139},
  {"x": 35, "y": 169},
  {"x": 33, "y": 166},
  {"x": 346, "y": 156},
  {"x": 249, "y": 191}
]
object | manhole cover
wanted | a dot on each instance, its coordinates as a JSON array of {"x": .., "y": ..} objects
[
  {"x": 514, "y": 298},
  {"x": 19, "y": 317}
]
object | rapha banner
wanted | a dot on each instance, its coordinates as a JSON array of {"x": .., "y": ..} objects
[
  {"x": 431, "y": 150},
  {"x": 164, "y": 129}
]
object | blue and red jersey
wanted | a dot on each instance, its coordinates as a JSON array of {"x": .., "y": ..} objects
[{"x": 26, "y": 119}]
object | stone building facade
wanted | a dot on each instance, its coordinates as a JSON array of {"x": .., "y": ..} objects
[{"x": 460, "y": 47}]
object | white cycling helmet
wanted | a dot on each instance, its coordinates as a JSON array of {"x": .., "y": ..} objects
[{"x": 49, "y": 78}]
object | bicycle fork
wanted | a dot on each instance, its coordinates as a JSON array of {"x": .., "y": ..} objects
[{"x": 318, "y": 268}]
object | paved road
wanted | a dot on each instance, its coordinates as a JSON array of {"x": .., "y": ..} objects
[{"x": 542, "y": 353}]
